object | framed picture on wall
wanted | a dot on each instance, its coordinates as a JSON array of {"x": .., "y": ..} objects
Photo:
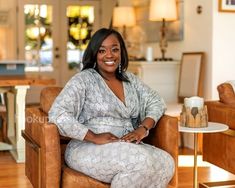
[
  {"x": 191, "y": 75},
  {"x": 227, "y": 5}
]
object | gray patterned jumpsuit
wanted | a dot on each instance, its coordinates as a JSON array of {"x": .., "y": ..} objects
[{"x": 86, "y": 102}]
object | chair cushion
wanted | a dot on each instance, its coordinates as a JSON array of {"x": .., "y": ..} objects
[
  {"x": 75, "y": 179},
  {"x": 47, "y": 97},
  {"x": 226, "y": 93}
]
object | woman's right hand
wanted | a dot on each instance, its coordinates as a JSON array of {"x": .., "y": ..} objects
[{"x": 102, "y": 138}]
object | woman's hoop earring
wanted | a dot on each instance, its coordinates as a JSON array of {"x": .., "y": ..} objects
[
  {"x": 94, "y": 65},
  {"x": 120, "y": 68}
]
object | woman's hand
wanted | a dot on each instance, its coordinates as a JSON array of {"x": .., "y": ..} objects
[
  {"x": 135, "y": 136},
  {"x": 102, "y": 138}
]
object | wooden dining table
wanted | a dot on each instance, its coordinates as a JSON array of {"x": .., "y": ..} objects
[{"x": 16, "y": 88}]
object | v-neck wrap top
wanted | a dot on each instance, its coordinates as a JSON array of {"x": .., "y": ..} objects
[{"x": 87, "y": 103}]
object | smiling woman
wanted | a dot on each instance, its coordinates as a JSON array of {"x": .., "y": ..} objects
[
  {"x": 107, "y": 112},
  {"x": 108, "y": 57}
]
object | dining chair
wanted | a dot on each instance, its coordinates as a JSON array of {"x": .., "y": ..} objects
[
  {"x": 3, "y": 116},
  {"x": 190, "y": 82},
  {"x": 4, "y": 141}
]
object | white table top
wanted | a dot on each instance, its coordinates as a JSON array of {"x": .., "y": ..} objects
[{"x": 213, "y": 127}]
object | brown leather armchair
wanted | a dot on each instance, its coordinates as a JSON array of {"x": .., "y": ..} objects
[
  {"x": 44, "y": 165},
  {"x": 218, "y": 148}
]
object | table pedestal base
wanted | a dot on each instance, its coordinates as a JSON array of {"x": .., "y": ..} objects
[
  {"x": 15, "y": 87},
  {"x": 195, "y": 161},
  {"x": 212, "y": 128},
  {"x": 5, "y": 146},
  {"x": 16, "y": 121}
]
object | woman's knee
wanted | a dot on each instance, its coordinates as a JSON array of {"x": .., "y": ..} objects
[
  {"x": 163, "y": 164},
  {"x": 169, "y": 165}
]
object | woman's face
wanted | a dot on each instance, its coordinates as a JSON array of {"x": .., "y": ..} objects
[{"x": 109, "y": 55}]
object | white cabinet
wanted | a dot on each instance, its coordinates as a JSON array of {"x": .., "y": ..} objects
[{"x": 162, "y": 76}]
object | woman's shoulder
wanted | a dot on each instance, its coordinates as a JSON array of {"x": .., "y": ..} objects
[
  {"x": 84, "y": 74},
  {"x": 129, "y": 74},
  {"x": 131, "y": 77},
  {"x": 80, "y": 78}
]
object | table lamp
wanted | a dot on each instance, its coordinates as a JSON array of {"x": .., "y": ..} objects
[
  {"x": 163, "y": 10},
  {"x": 123, "y": 16}
]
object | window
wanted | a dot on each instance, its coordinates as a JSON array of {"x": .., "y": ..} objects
[
  {"x": 54, "y": 34},
  {"x": 38, "y": 35},
  {"x": 80, "y": 25}
]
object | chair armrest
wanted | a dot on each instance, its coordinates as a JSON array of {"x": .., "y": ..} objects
[
  {"x": 221, "y": 113},
  {"x": 29, "y": 142},
  {"x": 42, "y": 167},
  {"x": 165, "y": 136},
  {"x": 224, "y": 141},
  {"x": 226, "y": 93}
]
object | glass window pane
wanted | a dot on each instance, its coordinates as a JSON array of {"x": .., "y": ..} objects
[
  {"x": 80, "y": 26},
  {"x": 38, "y": 34},
  {"x": 30, "y": 12},
  {"x": 31, "y": 35}
]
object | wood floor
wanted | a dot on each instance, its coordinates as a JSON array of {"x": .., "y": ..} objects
[{"x": 12, "y": 174}]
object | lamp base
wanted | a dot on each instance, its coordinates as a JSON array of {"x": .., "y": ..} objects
[{"x": 164, "y": 59}]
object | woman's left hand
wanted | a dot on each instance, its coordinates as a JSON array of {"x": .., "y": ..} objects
[{"x": 135, "y": 136}]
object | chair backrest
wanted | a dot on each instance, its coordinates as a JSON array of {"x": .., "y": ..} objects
[
  {"x": 226, "y": 93},
  {"x": 191, "y": 75},
  {"x": 47, "y": 97}
]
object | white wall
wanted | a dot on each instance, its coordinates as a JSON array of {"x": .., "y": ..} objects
[
  {"x": 212, "y": 32},
  {"x": 223, "y": 53},
  {"x": 106, "y": 13},
  {"x": 197, "y": 37}
]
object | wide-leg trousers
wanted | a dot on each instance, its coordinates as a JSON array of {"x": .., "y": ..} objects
[{"x": 124, "y": 165}]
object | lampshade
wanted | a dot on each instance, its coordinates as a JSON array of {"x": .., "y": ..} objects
[
  {"x": 160, "y": 9},
  {"x": 123, "y": 16}
]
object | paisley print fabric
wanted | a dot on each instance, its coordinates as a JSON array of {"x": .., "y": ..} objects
[{"x": 87, "y": 103}]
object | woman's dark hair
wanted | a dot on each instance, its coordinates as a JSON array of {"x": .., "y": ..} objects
[{"x": 90, "y": 54}]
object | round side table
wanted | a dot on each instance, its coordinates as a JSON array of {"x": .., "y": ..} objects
[{"x": 213, "y": 127}]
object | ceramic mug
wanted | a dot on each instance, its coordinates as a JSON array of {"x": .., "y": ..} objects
[{"x": 194, "y": 101}]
